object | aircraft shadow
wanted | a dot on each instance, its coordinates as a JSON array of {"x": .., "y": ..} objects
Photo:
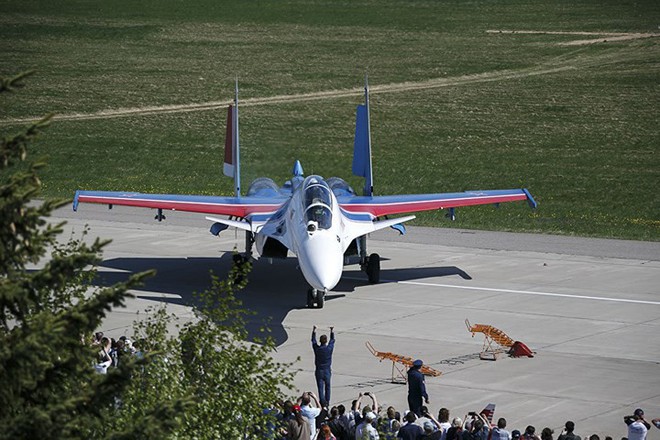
[
  {"x": 273, "y": 290},
  {"x": 356, "y": 278}
]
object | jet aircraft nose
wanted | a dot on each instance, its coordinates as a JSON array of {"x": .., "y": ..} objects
[{"x": 321, "y": 260}]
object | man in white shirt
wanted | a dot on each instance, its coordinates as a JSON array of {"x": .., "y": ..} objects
[
  {"x": 308, "y": 411},
  {"x": 637, "y": 426}
]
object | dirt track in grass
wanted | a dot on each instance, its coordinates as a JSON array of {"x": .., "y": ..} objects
[
  {"x": 603, "y": 37},
  {"x": 281, "y": 99},
  {"x": 550, "y": 67}
]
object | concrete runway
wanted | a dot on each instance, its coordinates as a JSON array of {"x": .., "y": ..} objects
[{"x": 589, "y": 308}]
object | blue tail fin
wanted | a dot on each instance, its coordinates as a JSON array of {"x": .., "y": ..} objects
[
  {"x": 231, "y": 166},
  {"x": 362, "y": 144}
]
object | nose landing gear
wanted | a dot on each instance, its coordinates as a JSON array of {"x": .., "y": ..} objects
[{"x": 315, "y": 298}]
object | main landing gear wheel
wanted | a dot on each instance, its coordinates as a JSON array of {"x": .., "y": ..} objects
[
  {"x": 315, "y": 298},
  {"x": 373, "y": 268}
]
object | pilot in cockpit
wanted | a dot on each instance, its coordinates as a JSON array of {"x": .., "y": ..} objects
[{"x": 321, "y": 215}]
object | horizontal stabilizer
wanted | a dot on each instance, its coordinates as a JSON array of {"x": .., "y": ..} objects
[
  {"x": 232, "y": 223},
  {"x": 391, "y": 222}
]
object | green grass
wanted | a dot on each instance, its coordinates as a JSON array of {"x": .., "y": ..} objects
[{"x": 577, "y": 125}]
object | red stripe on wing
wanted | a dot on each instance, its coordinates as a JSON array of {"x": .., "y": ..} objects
[
  {"x": 237, "y": 210},
  {"x": 428, "y": 205}
]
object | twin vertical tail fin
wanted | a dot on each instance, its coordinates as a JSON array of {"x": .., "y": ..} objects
[
  {"x": 231, "y": 166},
  {"x": 362, "y": 144},
  {"x": 488, "y": 412}
]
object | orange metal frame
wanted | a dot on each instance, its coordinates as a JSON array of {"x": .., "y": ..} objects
[{"x": 404, "y": 361}]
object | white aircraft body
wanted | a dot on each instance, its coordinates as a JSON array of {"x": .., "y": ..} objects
[{"x": 322, "y": 222}]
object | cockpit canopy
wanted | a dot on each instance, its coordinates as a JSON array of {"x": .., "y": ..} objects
[{"x": 318, "y": 202}]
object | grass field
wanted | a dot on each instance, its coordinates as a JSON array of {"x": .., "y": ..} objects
[{"x": 140, "y": 90}]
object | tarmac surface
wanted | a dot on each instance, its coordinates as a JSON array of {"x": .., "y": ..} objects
[{"x": 589, "y": 308}]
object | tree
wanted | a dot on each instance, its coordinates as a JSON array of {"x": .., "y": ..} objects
[
  {"x": 48, "y": 388},
  {"x": 233, "y": 383},
  {"x": 205, "y": 382}
]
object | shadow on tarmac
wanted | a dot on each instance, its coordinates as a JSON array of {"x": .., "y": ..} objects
[{"x": 273, "y": 290}]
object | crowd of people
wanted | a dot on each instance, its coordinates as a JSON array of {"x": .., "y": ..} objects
[
  {"x": 111, "y": 351},
  {"x": 307, "y": 419},
  {"x": 311, "y": 417}
]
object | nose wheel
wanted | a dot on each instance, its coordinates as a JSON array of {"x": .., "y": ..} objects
[{"x": 315, "y": 298}]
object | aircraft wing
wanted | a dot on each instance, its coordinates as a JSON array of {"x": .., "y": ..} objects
[
  {"x": 379, "y": 206},
  {"x": 241, "y": 207}
]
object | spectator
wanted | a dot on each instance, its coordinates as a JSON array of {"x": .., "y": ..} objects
[
  {"x": 323, "y": 363},
  {"x": 284, "y": 417},
  {"x": 390, "y": 426},
  {"x": 440, "y": 429},
  {"x": 455, "y": 432},
  {"x": 637, "y": 426},
  {"x": 343, "y": 417},
  {"x": 431, "y": 432},
  {"x": 656, "y": 422},
  {"x": 127, "y": 344},
  {"x": 530, "y": 433},
  {"x": 365, "y": 430},
  {"x": 325, "y": 433},
  {"x": 104, "y": 360},
  {"x": 546, "y": 434},
  {"x": 500, "y": 432},
  {"x": 591, "y": 437},
  {"x": 339, "y": 430},
  {"x": 443, "y": 422},
  {"x": 479, "y": 429},
  {"x": 424, "y": 417},
  {"x": 308, "y": 411},
  {"x": 410, "y": 431},
  {"x": 567, "y": 434},
  {"x": 96, "y": 339},
  {"x": 416, "y": 388},
  {"x": 298, "y": 427},
  {"x": 114, "y": 352},
  {"x": 360, "y": 415},
  {"x": 515, "y": 434}
]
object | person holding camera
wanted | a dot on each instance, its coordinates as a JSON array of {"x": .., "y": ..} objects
[
  {"x": 479, "y": 428},
  {"x": 309, "y": 412},
  {"x": 567, "y": 433},
  {"x": 637, "y": 426}
]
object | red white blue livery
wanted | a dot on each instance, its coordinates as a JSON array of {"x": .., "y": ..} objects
[{"x": 323, "y": 222}]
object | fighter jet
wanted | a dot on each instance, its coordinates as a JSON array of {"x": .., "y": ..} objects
[{"x": 323, "y": 222}]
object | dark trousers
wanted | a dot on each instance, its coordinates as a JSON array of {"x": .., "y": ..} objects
[
  {"x": 415, "y": 404},
  {"x": 323, "y": 384}
]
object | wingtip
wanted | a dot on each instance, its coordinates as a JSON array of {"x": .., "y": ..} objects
[
  {"x": 75, "y": 200},
  {"x": 530, "y": 200}
]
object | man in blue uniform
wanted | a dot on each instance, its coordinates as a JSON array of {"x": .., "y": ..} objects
[
  {"x": 323, "y": 362},
  {"x": 416, "y": 388}
]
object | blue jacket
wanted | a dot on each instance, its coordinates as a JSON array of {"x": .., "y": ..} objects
[
  {"x": 416, "y": 385},
  {"x": 323, "y": 353}
]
